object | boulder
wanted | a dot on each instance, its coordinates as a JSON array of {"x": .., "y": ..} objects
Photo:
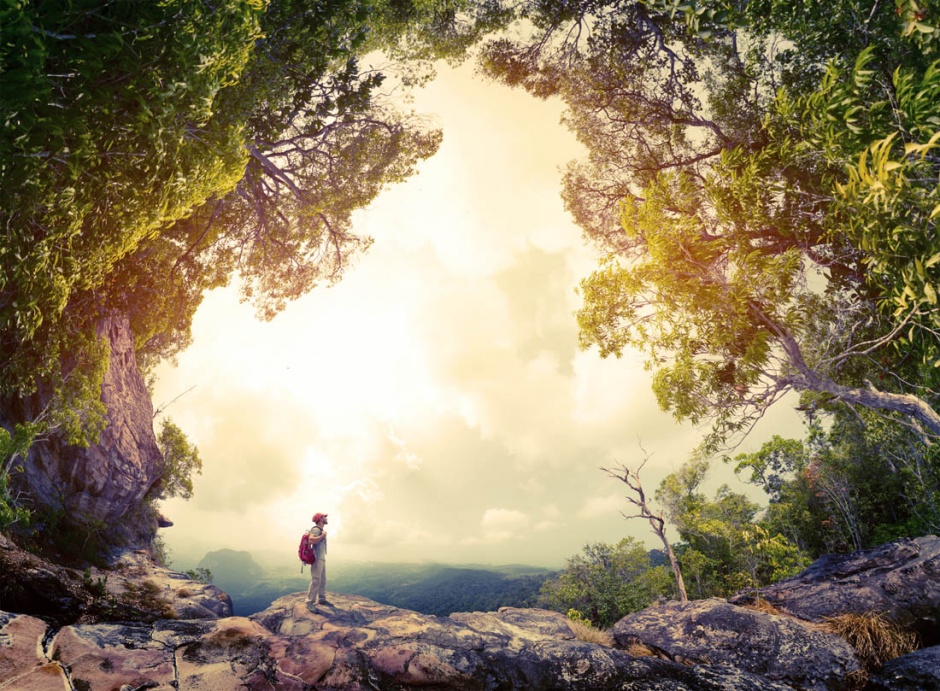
[
  {"x": 355, "y": 644},
  {"x": 917, "y": 671},
  {"x": 134, "y": 574},
  {"x": 713, "y": 631},
  {"x": 107, "y": 481},
  {"x": 132, "y": 588},
  {"x": 900, "y": 580},
  {"x": 32, "y": 585}
]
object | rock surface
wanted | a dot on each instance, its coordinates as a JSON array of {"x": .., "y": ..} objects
[
  {"x": 133, "y": 588},
  {"x": 918, "y": 671},
  {"x": 713, "y": 631},
  {"x": 106, "y": 481},
  {"x": 900, "y": 579},
  {"x": 355, "y": 644},
  {"x": 183, "y": 638}
]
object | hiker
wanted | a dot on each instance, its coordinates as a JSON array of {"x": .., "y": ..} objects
[{"x": 316, "y": 593}]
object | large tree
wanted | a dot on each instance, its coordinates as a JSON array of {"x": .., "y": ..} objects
[
  {"x": 765, "y": 185},
  {"x": 726, "y": 546},
  {"x": 110, "y": 131},
  {"x": 151, "y": 153},
  {"x": 856, "y": 484}
]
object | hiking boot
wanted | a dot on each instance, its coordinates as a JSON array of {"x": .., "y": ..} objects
[
  {"x": 325, "y": 602},
  {"x": 311, "y": 607}
]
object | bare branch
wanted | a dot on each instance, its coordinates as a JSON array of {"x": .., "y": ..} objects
[{"x": 631, "y": 478}]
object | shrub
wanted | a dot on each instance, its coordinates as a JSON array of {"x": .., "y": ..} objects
[
  {"x": 147, "y": 597},
  {"x": 11, "y": 512},
  {"x": 200, "y": 575}
]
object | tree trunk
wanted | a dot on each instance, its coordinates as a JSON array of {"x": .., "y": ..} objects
[{"x": 683, "y": 597}]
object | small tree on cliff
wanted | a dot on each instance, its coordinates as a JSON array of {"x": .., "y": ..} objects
[
  {"x": 180, "y": 461},
  {"x": 606, "y": 582},
  {"x": 631, "y": 478}
]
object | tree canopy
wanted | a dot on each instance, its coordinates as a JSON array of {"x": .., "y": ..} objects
[
  {"x": 152, "y": 153},
  {"x": 764, "y": 183}
]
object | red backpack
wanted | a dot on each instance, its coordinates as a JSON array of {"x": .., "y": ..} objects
[{"x": 306, "y": 551}]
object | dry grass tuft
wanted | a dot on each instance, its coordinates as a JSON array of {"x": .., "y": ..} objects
[
  {"x": 640, "y": 650},
  {"x": 591, "y": 634},
  {"x": 876, "y": 638},
  {"x": 759, "y": 604}
]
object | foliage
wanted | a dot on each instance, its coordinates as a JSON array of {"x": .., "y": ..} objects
[
  {"x": 90, "y": 166},
  {"x": 160, "y": 551},
  {"x": 142, "y": 601},
  {"x": 889, "y": 203},
  {"x": 13, "y": 446},
  {"x": 74, "y": 411},
  {"x": 200, "y": 575},
  {"x": 147, "y": 598},
  {"x": 606, "y": 582},
  {"x": 151, "y": 152},
  {"x": 743, "y": 160},
  {"x": 98, "y": 587},
  {"x": 862, "y": 482},
  {"x": 73, "y": 539},
  {"x": 726, "y": 547},
  {"x": 180, "y": 461},
  {"x": 223, "y": 141},
  {"x": 415, "y": 34},
  {"x": 11, "y": 512}
]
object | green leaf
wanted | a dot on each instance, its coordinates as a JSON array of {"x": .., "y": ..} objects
[{"x": 930, "y": 294}]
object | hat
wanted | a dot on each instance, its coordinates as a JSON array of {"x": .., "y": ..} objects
[{"x": 317, "y": 517}]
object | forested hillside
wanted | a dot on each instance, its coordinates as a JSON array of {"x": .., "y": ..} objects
[
  {"x": 427, "y": 588},
  {"x": 442, "y": 589}
]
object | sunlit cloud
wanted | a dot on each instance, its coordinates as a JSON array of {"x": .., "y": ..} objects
[
  {"x": 408, "y": 457},
  {"x": 610, "y": 505},
  {"x": 500, "y": 525},
  {"x": 435, "y": 402}
]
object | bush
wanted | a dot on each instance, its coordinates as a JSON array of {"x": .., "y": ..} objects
[
  {"x": 200, "y": 575},
  {"x": 11, "y": 512}
]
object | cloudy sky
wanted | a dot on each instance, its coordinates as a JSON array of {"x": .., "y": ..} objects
[{"x": 435, "y": 402}]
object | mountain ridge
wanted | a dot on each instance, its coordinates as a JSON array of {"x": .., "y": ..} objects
[{"x": 434, "y": 588}]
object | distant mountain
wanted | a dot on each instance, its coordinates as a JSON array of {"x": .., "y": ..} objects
[
  {"x": 232, "y": 570},
  {"x": 427, "y": 587},
  {"x": 251, "y": 588}
]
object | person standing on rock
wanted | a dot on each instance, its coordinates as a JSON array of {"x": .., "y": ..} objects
[{"x": 316, "y": 593}]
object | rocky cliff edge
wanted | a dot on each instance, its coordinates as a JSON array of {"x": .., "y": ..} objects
[{"x": 356, "y": 644}]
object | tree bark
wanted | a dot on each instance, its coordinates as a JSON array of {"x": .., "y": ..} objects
[
  {"x": 631, "y": 478},
  {"x": 805, "y": 378}
]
